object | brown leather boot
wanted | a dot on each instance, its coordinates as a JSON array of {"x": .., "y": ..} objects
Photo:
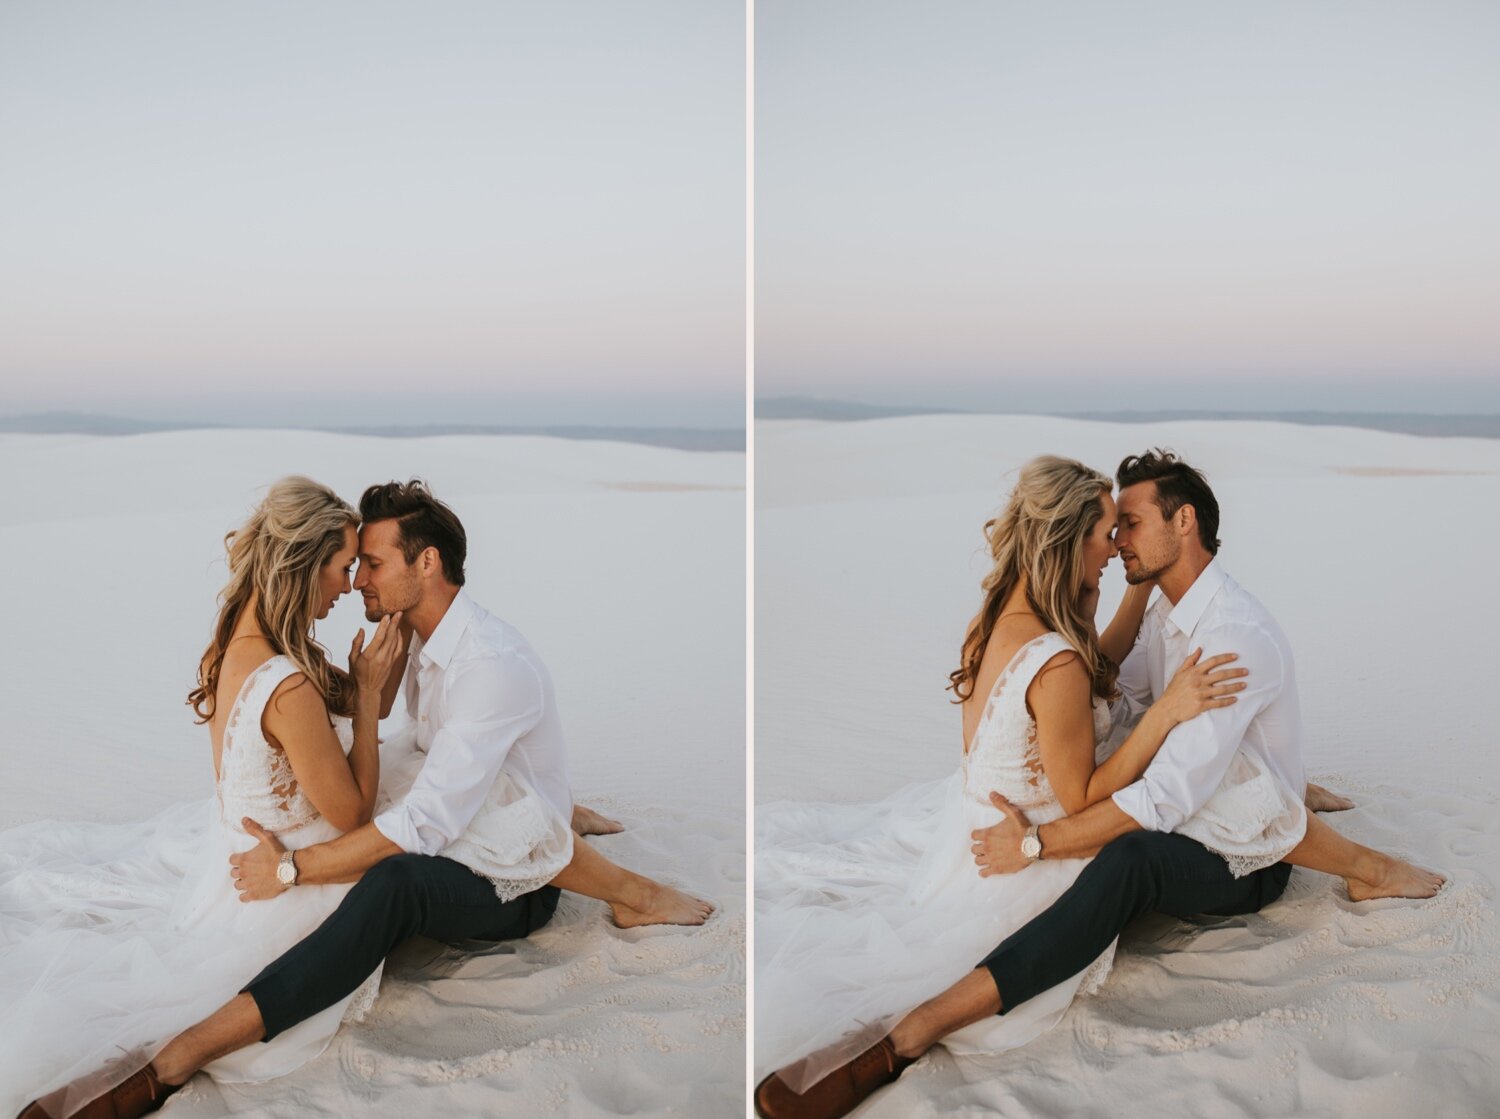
[
  {"x": 142, "y": 1092},
  {"x": 838, "y": 1093}
]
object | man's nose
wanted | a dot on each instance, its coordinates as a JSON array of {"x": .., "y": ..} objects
[{"x": 359, "y": 578}]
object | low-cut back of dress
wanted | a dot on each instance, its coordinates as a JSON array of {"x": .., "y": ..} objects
[
  {"x": 864, "y": 911},
  {"x": 115, "y": 937}
]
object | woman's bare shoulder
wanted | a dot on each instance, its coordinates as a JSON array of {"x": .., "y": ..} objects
[
  {"x": 241, "y": 658},
  {"x": 245, "y": 654},
  {"x": 297, "y": 698},
  {"x": 1014, "y": 631}
]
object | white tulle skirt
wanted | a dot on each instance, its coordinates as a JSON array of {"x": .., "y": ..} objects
[
  {"x": 116, "y": 937},
  {"x": 864, "y": 911}
]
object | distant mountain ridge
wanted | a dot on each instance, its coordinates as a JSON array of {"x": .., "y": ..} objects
[
  {"x": 1477, "y": 426},
  {"x": 677, "y": 438}
]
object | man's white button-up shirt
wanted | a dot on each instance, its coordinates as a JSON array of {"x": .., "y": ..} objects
[
  {"x": 482, "y": 701},
  {"x": 1218, "y": 615}
]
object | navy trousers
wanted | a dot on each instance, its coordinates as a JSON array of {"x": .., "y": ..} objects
[
  {"x": 1138, "y": 873},
  {"x": 398, "y": 898}
]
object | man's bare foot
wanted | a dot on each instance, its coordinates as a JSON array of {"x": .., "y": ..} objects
[
  {"x": 662, "y": 905},
  {"x": 588, "y": 822},
  {"x": 1396, "y": 879},
  {"x": 1320, "y": 799}
]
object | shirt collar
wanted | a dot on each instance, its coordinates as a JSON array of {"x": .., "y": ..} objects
[
  {"x": 439, "y": 648},
  {"x": 1188, "y": 612}
]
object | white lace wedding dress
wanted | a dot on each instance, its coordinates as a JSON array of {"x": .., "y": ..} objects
[
  {"x": 115, "y": 937},
  {"x": 864, "y": 911}
]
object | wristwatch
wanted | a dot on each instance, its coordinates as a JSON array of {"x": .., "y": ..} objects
[
  {"x": 286, "y": 869},
  {"x": 1031, "y": 844}
]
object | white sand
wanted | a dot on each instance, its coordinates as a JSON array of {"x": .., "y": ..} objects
[
  {"x": 1377, "y": 554},
  {"x": 624, "y": 566}
]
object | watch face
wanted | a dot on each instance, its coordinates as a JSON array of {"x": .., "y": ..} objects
[{"x": 1031, "y": 846}]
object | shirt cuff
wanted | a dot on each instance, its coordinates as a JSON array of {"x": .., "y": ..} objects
[
  {"x": 396, "y": 826},
  {"x": 1134, "y": 801}
]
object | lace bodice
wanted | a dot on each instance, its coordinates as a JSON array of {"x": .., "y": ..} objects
[
  {"x": 255, "y": 777},
  {"x": 1003, "y": 755}
]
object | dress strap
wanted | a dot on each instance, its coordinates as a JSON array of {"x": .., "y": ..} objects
[
  {"x": 1023, "y": 670},
  {"x": 256, "y": 692}
]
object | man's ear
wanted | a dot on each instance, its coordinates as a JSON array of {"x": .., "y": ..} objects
[
  {"x": 1187, "y": 520},
  {"x": 431, "y": 561}
]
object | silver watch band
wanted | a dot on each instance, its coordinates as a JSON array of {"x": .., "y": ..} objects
[{"x": 1031, "y": 846}]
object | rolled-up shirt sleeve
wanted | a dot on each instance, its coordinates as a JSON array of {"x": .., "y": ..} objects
[
  {"x": 1196, "y": 754},
  {"x": 490, "y": 704}
]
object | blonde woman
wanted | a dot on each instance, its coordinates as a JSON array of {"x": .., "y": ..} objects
[
  {"x": 865, "y": 911},
  {"x": 115, "y": 936}
]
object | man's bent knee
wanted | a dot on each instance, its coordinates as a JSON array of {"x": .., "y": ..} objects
[
  {"x": 394, "y": 872},
  {"x": 1132, "y": 848},
  {"x": 390, "y": 882}
]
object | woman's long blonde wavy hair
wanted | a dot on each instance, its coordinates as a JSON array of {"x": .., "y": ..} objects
[
  {"x": 1040, "y": 534},
  {"x": 277, "y": 556}
]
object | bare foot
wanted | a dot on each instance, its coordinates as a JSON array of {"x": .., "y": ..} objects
[
  {"x": 1320, "y": 799},
  {"x": 1397, "y": 879},
  {"x": 588, "y": 822},
  {"x": 662, "y": 905}
]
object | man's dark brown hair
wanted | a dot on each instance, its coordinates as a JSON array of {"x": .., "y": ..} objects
[
  {"x": 1177, "y": 484},
  {"x": 424, "y": 521}
]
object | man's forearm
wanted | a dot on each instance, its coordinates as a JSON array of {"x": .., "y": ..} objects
[
  {"x": 343, "y": 859},
  {"x": 1082, "y": 836}
]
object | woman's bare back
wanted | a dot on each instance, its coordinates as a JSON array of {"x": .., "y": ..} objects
[
  {"x": 244, "y": 655},
  {"x": 1011, "y": 632}
]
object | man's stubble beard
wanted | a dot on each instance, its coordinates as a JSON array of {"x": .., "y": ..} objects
[
  {"x": 376, "y": 613},
  {"x": 1144, "y": 574}
]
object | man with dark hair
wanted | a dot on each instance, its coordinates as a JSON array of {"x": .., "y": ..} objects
[
  {"x": 1177, "y": 484},
  {"x": 422, "y": 521},
  {"x": 1170, "y": 842}
]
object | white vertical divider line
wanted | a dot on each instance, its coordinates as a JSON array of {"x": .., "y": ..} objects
[{"x": 749, "y": 555}]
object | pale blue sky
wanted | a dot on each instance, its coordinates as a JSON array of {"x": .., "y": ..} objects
[
  {"x": 372, "y": 211},
  {"x": 989, "y": 203}
]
